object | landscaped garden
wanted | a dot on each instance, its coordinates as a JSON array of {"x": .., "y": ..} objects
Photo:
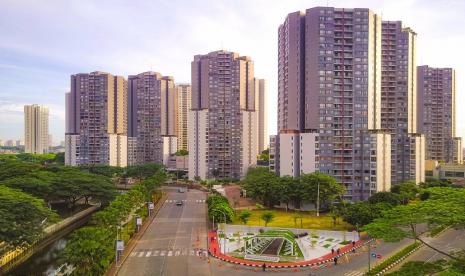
[{"x": 293, "y": 219}]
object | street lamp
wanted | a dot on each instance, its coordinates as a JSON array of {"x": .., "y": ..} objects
[
  {"x": 224, "y": 232},
  {"x": 318, "y": 200}
]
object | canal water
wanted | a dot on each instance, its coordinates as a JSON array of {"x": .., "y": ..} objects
[
  {"x": 45, "y": 262},
  {"x": 50, "y": 258}
]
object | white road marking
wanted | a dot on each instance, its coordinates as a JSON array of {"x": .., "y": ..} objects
[
  {"x": 133, "y": 254},
  {"x": 141, "y": 254},
  {"x": 177, "y": 253},
  {"x": 148, "y": 254},
  {"x": 155, "y": 253},
  {"x": 170, "y": 253}
]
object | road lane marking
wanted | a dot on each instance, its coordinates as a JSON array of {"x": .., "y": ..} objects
[
  {"x": 148, "y": 254},
  {"x": 170, "y": 253},
  {"x": 162, "y": 253},
  {"x": 141, "y": 254},
  {"x": 133, "y": 254},
  {"x": 155, "y": 253},
  {"x": 177, "y": 253}
]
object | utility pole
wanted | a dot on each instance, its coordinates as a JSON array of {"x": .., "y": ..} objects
[
  {"x": 369, "y": 257},
  {"x": 318, "y": 201}
]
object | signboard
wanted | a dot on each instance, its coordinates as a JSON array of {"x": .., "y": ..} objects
[
  {"x": 261, "y": 258},
  {"x": 119, "y": 245},
  {"x": 151, "y": 206},
  {"x": 138, "y": 221}
]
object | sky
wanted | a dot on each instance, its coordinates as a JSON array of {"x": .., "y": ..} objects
[{"x": 43, "y": 42}]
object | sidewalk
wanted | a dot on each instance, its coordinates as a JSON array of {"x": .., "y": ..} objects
[
  {"x": 114, "y": 268},
  {"x": 214, "y": 250}
]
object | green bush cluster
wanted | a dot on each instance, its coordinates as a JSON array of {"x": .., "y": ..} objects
[
  {"x": 393, "y": 258},
  {"x": 91, "y": 249},
  {"x": 218, "y": 208}
]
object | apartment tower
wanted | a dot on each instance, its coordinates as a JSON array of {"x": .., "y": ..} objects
[
  {"x": 436, "y": 114},
  {"x": 329, "y": 85},
  {"x": 399, "y": 102},
  {"x": 151, "y": 118},
  {"x": 96, "y": 120},
  {"x": 222, "y": 120},
  {"x": 262, "y": 114},
  {"x": 35, "y": 129},
  {"x": 183, "y": 98}
]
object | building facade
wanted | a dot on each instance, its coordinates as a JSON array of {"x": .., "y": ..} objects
[
  {"x": 152, "y": 118},
  {"x": 96, "y": 120},
  {"x": 399, "y": 101},
  {"x": 329, "y": 82},
  {"x": 262, "y": 113},
  {"x": 183, "y": 98},
  {"x": 222, "y": 121},
  {"x": 436, "y": 113},
  {"x": 36, "y": 135}
]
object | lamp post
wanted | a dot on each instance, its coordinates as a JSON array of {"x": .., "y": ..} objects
[
  {"x": 224, "y": 232},
  {"x": 318, "y": 200}
]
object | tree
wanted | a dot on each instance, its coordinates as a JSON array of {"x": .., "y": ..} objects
[
  {"x": 267, "y": 217},
  {"x": 90, "y": 250},
  {"x": 245, "y": 216},
  {"x": 182, "y": 152},
  {"x": 285, "y": 187},
  {"x": 408, "y": 190},
  {"x": 264, "y": 155},
  {"x": 329, "y": 189},
  {"x": 386, "y": 197},
  {"x": 362, "y": 213},
  {"x": 143, "y": 171},
  {"x": 262, "y": 185},
  {"x": 14, "y": 168},
  {"x": 22, "y": 217},
  {"x": 218, "y": 208},
  {"x": 445, "y": 207}
]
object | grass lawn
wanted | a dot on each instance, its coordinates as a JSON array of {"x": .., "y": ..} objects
[{"x": 286, "y": 220}]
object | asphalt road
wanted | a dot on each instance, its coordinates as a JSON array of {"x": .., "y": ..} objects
[
  {"x": 173, "y": 243},
  {"x": 448, "y": 241}
]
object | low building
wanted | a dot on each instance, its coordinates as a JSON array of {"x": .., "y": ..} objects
[{"x": 436, "y": 170}]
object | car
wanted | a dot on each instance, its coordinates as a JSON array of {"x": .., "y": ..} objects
[
  {"x": 180, "y": 190},
  {"x": 179, "y": 203}
]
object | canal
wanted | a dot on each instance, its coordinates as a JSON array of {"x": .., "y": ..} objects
[{"x": 48, "y": 260}]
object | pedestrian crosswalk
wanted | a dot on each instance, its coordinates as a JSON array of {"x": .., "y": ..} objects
[
  {"x": 169, "y": 252},
  {"x": 186, "y": 201},
  {"x": 354, "y": 273}
]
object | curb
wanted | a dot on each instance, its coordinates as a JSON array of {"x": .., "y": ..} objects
[{"x": 297, "y": 265}]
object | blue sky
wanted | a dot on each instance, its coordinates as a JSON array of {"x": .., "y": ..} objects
[{"x": 42, "y": 42}]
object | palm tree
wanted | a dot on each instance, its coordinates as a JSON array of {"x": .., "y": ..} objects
[{"x": 267, "y": 217}]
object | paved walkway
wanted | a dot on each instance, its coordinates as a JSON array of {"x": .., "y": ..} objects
[{"x": 214, "y": 250}]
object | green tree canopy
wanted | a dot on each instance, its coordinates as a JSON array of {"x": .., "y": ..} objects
[
  {"x": 267, "y": 217},
  {"x": 90, "y": 250},
  {"x": 263, "y": 185},
  {"x": 329, "y": 189},
  {"x": 445, "y": 207},
  {"x": 22, "y": 217},
  {"x": 362, "y": 213},
  {"x": 408, "y": 190},
  {"x": 245, "y": 216},
  {"x": 182, "y": 152},
  {"x": 386, "y": 197}
]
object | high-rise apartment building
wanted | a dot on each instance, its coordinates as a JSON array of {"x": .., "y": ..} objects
[
  {"x": 436, "y": 113},
  {"x": 183, "y": 99},
  {"x": 262, "y": 114},
  {"x": 399, "y": 101},
  {"x": 151, "y": 118},
  {"x": 35, "y": 129},
  {"x": 96, "y": 120},
  {"x": 329, "y": 84},
  {"x": 222, "y": 120}
]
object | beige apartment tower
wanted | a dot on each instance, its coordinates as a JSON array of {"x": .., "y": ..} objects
[
  {"x": 36, "y": 135},
  {"x": 183, "y": 101},
  {"x": 262, "y": 114},
  {"x": 96, "y": 120},
  {"x": 223, "y": 121}
]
